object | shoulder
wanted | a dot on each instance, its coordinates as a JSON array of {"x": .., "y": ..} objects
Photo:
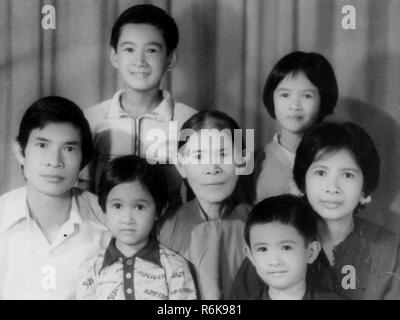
[
  {"x": 97, "y": 110},
  {"x": 374, "y": 232},
  {"x": 12, "y": 201},
  {"x": 89, "y": 209},
  {"x": 170, "y": 257},
  {"x": 241, "y": 211},
  {"x": 182, "y": 112},
  {"x": 13, "y": 195}
]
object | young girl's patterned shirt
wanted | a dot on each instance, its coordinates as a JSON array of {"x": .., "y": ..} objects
[{"x": 153, "y": 273}]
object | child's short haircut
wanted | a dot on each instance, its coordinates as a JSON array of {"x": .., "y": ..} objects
[
  {"x": 286, "y": 209},
  {"x": 209, "y": 119},
  {"x": 54, "y": 109},
  {"x": 317, "y": 69},
  {"x": 147, "y": 14},
  {"x": 132, "y": 168},
  {"x": 328, "y": 137}
]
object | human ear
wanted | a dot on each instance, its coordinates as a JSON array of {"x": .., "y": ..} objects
[
  {"x": 18, "y": 152},
  {"x": 172, "y": 58},
  {"x": 249, "y": 254},
  {"x": 113, "y": 57},
  {"x": 365, "y": 200},
  {"x": 180, "y": 166},
  {"x": 313, "y": 250}
]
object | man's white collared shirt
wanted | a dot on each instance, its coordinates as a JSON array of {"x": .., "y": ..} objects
[{"x": 31, "y": 267}]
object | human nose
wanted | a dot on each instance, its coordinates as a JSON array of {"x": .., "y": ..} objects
[
  {"x": 295, "y": 103},
  {"x": 139, "y": 58},
  {"x": 54, "y": 158},
  {"x": 127, "y": 216},
  {"x": 332, "y": 185},
  {"x": 213, "y": 169},
  {"x": 273, "y": 258}
]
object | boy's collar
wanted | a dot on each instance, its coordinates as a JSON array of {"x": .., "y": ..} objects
[
  {"x": 149, "y": 253},
  {"x": 163, "y": 112}
]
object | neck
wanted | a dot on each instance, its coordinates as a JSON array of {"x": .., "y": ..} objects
[
  {"x": 129, "y": 250},
  {"x": 139, "y": 103},
  {"x": 49, "y": 212},
  {"x": 289, "y": 140},
  {"x": 333, "y": 232},
  {"x": 295, "y": 292},
  {"x": 212, "y": 210}
]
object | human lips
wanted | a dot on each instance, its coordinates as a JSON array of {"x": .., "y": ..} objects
[
  {"x": 139, "y": 74},
  {"x": 330, "y": 204},
  {"x": 53, "y": 178},
  {"x": 276, "y": 273}
]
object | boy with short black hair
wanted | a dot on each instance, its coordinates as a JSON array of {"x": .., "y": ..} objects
[
  {"x": 48, "y": 229},
  {"x": 141, "y": 119},
  {"x": 280, "y": 236}
]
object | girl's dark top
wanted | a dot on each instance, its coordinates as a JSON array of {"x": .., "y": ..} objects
[{"x": 366, "y": 267}]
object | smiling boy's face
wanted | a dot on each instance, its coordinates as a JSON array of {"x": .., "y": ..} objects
[
  {"x": 141, "y": 57},
  {"x": 52, "y": 158},
  {"x": 280, "y": 254}
]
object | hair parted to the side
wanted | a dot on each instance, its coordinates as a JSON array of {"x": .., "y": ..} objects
[
  {"x": 147, "y": 14},
  {"x": 329, "y": 137},
  {"x": 209, "y": 119},
  {"x": 54, "y": 109},
  {"x": 286, "y": 209},
  {"x": 317, "y": 69},
  {"x": 132, "y": 168}
]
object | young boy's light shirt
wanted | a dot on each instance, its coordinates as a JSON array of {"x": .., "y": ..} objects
[
  {"x": 154, "y": 273},
  {"x": 30, "y": 267},
  {"x": 116, "y": 132}
]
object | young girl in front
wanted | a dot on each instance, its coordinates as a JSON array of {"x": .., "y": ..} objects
[
  {"x": 133, "y": 195},
  {"x": 208, "y": 230},
  {"x": 337, "y": 167},
  {"x": 300, "y": 91}
]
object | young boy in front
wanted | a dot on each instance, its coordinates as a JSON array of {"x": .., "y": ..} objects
[
  {"x": 48, "y": 229},
  {"x": 132, "y": 194},
  {"x": 280, "y": 237},
  {"x": 141, "y": 119}
]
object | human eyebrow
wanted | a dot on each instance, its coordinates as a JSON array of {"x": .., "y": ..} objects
[
  {"x": 41, "y": 139},
  {"x": 72, "y": 143},
  {"x": 355, "y": 170},
  {"x": 287, "y": 242},
  {"x": 282, "y": 89}
]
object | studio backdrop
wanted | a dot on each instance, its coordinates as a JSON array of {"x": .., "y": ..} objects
[{"x": 226, "y": 50}]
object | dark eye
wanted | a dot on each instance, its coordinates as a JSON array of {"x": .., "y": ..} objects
[
  {"x": 116, "y": 206},
  {"x": 348, "y": 175},
  {"x": 69, "y": 148},
  {"x": 262, "y": 249},
  {"x": 130, "y": 50},
  {"x": 41, "y": 145},
  {"x": 152, "y": 50},
  {"x": 139, "y": 207},
  {"x": 286, "y": 248},
  {"x": 284, "y": 95},
  {"x": 320, "y": 173},
  {"x": 308, "y": 96}
]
